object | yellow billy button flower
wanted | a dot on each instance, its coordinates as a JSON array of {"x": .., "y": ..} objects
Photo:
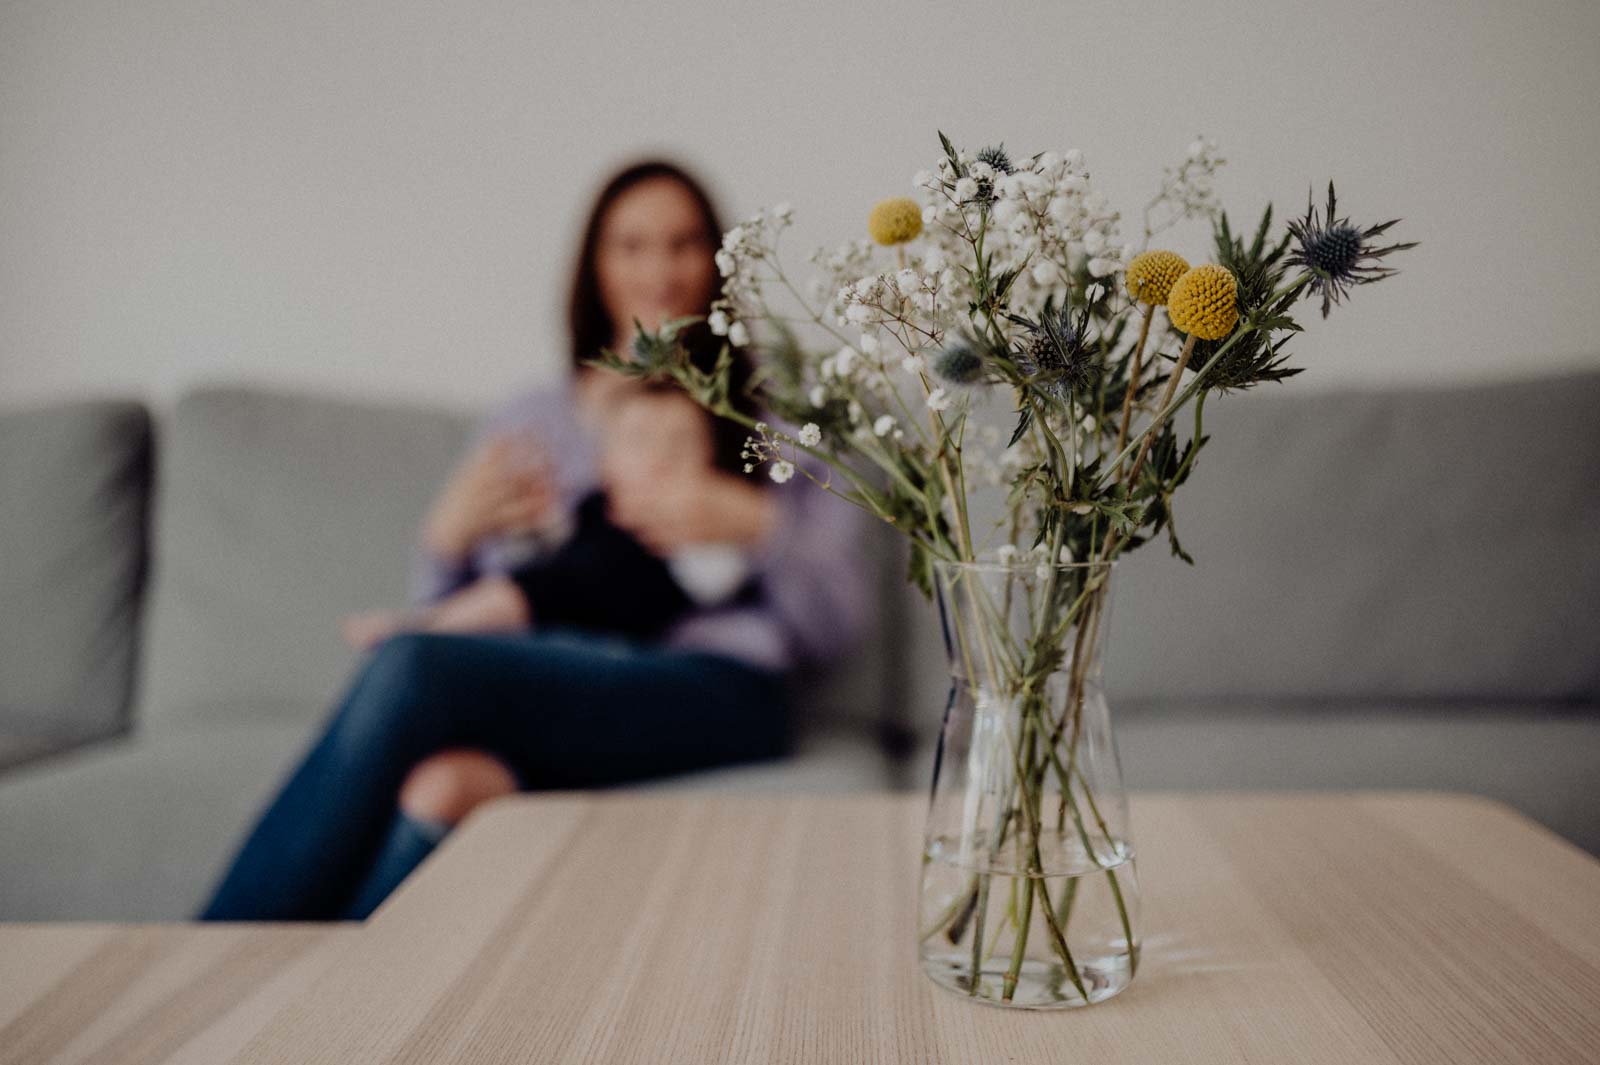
[
  {"x": 895, "y": 220},
  {"x": 1152, "y": 274},
  {"x": 1204, "y": 302}
]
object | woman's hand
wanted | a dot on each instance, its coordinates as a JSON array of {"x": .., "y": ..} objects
[
  {"x": 506, "y": 486},
  {"x": 369, "y": 628},
  {"x": 691, "y": 505}
]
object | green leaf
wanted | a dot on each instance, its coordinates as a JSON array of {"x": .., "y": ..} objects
[
  {"x": 1172, "y": 540},
  {"x": 1023, "y": 422}
]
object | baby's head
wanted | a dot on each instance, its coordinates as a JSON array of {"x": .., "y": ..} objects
[{"x": 655, "y": 430}]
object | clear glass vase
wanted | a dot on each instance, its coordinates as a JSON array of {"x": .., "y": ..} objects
[{"x": 1029, "y": 896}]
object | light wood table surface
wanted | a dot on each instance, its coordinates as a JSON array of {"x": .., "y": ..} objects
[
  {"x": 143, "y": 993},
  {"x": 1338, "y": 927}
]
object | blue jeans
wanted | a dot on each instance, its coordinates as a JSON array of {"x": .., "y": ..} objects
[{"x": 561, "y": 709}]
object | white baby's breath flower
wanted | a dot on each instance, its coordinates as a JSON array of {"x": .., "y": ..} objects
[
  {"x": 1006, "y": 554},
  {"x": 810, "y": 434},
  {"x": 939, "y": 399},
  {"x": 783, "y": 212},
  {"x": 869, "y": 344},
  {"x": 883, "y": 425},
  {"x": 726, "y": 264},
  {"x": 781, "y": 471},
  {"x": 718, "y": 321},
  {"x": 857, "y": 313},
  {"x": 1095, "y": 292},
  {"x": 1104, "y": 267},
  {"x": 818, "y": 396},
  {"x": 738, "y": 334},
  {"x": 912, "y": 364}
]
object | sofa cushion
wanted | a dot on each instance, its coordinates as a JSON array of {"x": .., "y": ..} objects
[
  {"x": 1434, "y": 544},
  {"x": 135, "y": 829},
  {"x": 277, "y": 514},
  {"x": 18, "y": 750},
  {"x": 74, "y": 480}
]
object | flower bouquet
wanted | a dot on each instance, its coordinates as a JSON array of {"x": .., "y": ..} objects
[{"x": 1001, "y": 377}]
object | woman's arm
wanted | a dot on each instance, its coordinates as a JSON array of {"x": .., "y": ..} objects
[
  {"x": 490, "y": 604},
  {"x": 502, "y": 487},
  {"x": 814, "y": 567}
]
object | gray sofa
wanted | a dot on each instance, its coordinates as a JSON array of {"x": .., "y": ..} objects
[{"x": 1394, "y": 589}]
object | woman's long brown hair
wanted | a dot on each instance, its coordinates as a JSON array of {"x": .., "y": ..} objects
[{"x": 590, "y": 324}]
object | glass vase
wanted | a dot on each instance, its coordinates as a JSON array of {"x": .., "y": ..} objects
[{"x": 1029, "y": 896}]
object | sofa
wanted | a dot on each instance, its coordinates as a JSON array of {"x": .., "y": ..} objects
[{"x": 1395, "y": 588}]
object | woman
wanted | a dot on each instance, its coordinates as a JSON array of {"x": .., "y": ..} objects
[{"x": 437, "y": 723}]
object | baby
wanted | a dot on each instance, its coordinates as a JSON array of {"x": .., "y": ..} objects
[{"x": 599, "y": 577}]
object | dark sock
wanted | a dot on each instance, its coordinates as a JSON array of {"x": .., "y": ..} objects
[{"x": 410, "y": 840}]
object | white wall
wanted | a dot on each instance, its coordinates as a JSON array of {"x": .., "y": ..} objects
[{"x": 380, "y": 198}]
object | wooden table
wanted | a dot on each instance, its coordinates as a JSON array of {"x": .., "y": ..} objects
[
  {"x": 677, "y": 927},
  {"x": 186, "y": 993}
]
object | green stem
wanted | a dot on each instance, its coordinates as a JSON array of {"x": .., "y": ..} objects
[
  {"x": 1019, "y": 944},
  {"x": 1199, "y": 378}
]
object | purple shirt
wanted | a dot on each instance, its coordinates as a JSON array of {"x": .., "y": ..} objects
[{"x": 813, "y": 572}]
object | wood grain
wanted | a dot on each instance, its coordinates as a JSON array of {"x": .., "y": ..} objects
[
  {"x": 680, "y": 927},
  {"x": 134, "y": 994},
  {"x": 622, "y": 927}
]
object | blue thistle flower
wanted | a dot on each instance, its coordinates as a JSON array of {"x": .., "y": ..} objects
[
  {"x": 646, "y": 348},
  {"x": 958, "y": 362},
  {"x": 996, "y": 157},
  {"x": 1055, "y": 355},
  {"x": 1336, "y": 254}
]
